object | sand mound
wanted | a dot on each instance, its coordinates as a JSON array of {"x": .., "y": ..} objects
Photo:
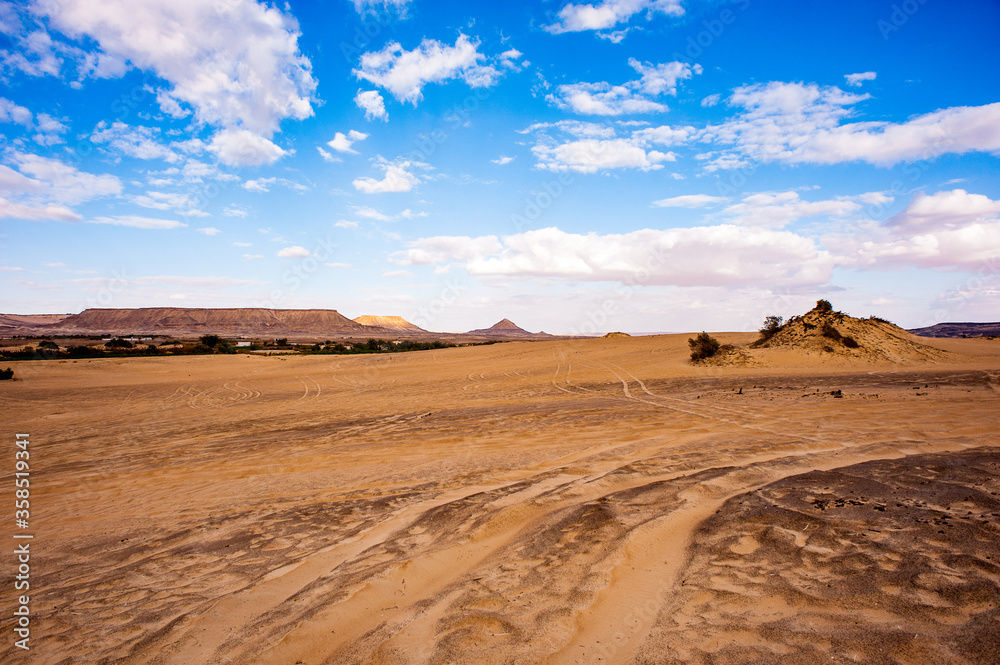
[
  {"x": 613, "y": 335},
  {"x": 824, "y": 331},
  {"x": 388, "y": 322}
]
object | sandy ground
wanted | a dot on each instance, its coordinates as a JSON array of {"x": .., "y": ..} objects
[{"x": 586, "y": 501}]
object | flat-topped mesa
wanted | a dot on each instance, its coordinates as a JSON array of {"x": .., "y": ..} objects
[
  {"x": 235, "y": 320},
  {"x": 502, "y": 327},
  {"x": 395, "y": 323}
]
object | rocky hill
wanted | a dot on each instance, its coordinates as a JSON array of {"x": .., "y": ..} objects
[
  {"x": 392, "y": 323},
  {"x": 502, "y": 327}
]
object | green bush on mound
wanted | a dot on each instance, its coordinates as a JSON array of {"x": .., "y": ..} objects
[{"x": 703, "y": 346}]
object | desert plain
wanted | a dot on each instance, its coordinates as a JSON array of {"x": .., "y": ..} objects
[{"x": 567, "y": 501}]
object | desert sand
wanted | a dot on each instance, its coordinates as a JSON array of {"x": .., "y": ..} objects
[{"x": 568, "y": 501}]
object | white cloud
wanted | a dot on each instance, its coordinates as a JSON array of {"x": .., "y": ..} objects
[
  {"x": 252, "y": 257},
  {"x": 43, "y": 188},
  {"x": 339, "y": 266},
  {"x": 209, "y": 231},
  {"x": 952, "y": 230},
  {"x": 593, "y": 155},
  {"x": 327, "y": 156},
  {"x": 260, "y": 185},
  {"x": 242, "y": 244},
  {"x": 138, "y": 142},
  {"x": 182, "y": 204},
  {"x": 50, "y": 130},
  {"x": 9, "y": 209},
  {"x": 662, "y": 79},
  {"x": 11, "y": 112},
  {"x": 503, "y": 159},
  {"x": 405, "y": 73},
  {"x": 944, "y": 210},
  {"x": 371, "y": 6},
  {"x": 371, "y": 102},
  {"x": 445, "y": 249},
  {"x": 235, "y": 211},
  {"x": 858, "y": 79},
  {"x": 689, "y": 201},
  {"x": 711, "y": 100},
  {"x": 237, "y": 63},
  {"x": 396, "y": 274},
  {"x": 590, "y": 155},
  {"x": 138, "y": 222},
  {"x": 602, "y": 99},
  {"x": 723, "y": 255},
  {"x": 631, "y": 97},
  {"x": 294, "y": 252},
  {"x": 11, "y": 269},
  {"x": 609, "y": 13},
  {"x": 342, "y": 142},
  {"x": 241, "y": 147},
  {"x": 576, "y": 128},
  {"x": 371, "y": 213},
  {"x": 797, "y": 123},
  {"x": 397, "y": 178},
  {"x": 344, "y": 224},
  {"x": 778, "y": 209}
]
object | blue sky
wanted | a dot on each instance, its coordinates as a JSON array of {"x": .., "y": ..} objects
[{"x": 638, "y": 165}]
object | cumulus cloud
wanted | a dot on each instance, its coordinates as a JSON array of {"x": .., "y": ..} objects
[
  {"x": 241, "y": 147},
  {"x": 799, "y": 123},
  {"x": 236, "y": 64},
  {"x": 397, "y": 177},
  {"x": 11, "y": 112},
  {"x": 209, "y": 231},
  {"x": 609, "y": 13},
  {"x": 724, "y": 255},
  {"x": 371, "y": 102},
  {"x": 294, "y": 252},
  {"x": 952, "y": 230},
  {"x": 591, "y": 155},
  {"x": 405, "y": 73},
  {"x": 631, "y": 97},
  {"x": 446, "y": 249},
  {"x": 689, "y": 201},
  {"x": 858, "y": 79},
  {"x": 944, "y": 210},
  {"x": 503, "y": 159},
  {"x": 12, "y": 210},
  {"x": 342, "y": 142}
]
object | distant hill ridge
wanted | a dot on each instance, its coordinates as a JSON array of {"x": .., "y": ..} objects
[
  {"x": 250, "y": 321},
  {"x": 958, "y": 330}
]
